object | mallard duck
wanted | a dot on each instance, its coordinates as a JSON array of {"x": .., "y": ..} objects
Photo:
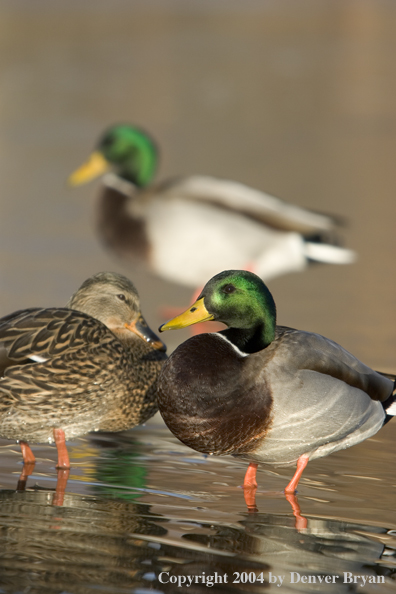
[
  {"x": 161, "y": 225},
  {"x": 263, "y": 392},
  {"x": 90, "y": 366}
]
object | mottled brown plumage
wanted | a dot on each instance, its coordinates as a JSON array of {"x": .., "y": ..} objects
[{"x": 91, "y": 366}]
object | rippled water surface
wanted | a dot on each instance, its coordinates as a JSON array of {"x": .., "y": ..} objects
[
  {"x": 144, "y": 508},
  {"x": 293, "y": 97}
]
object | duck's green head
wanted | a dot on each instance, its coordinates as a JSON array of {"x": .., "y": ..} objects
[
  {"x": 240, "y": 300},
  {"x": 127, "y": 150}
]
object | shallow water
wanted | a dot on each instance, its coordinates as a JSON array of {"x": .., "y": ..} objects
[
  {"x": 142, "y": 508},
  {"x": 295, "y": 98}
]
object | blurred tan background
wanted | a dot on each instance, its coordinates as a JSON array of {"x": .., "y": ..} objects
[{"x": 295, "y": 97}]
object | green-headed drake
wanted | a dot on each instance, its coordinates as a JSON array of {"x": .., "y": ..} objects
[
  {"x": 90, "y": 366},
  {"x": 263, "y": 392},
  {"x": 230, "y": 225}
]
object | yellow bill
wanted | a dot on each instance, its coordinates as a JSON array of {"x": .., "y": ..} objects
[
  {"x": 95, "y": 166},
  {"x": 196, "y": 313}
]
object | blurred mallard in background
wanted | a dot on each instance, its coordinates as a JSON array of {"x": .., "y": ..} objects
[
  {"x": 186, "y": 229},
  {"x": 263, "y": 392},
  {"x": 90, "y": 366}
]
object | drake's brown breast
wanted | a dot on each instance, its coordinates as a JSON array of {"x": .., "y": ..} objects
[
  {"x": 118, "y": 229},
  {"x": 209, "y": 400}
]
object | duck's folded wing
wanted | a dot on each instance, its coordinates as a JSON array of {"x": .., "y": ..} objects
[
  {"x": 306, "y": 350},
  {"x": 36, "y": 335},
  {"x": 70, "y": 377},
  {"x": 254, "y": 203}
]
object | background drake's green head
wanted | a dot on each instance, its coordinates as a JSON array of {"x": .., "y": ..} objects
[
  {"x": 127, "y": 150},
  {"x": 131, "y": 151}
]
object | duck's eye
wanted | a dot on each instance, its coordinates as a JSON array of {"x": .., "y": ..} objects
[
  {"x": 228, "y": 289},
  {"x": 107, "y": 141},
  {"x": 121, "y": 297}
]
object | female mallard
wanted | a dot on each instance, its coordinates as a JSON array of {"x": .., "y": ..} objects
[
  {"x": 235, "y": 225},
  {"x": 90, "y": 366},
  {"x": 263, "y": 392}
]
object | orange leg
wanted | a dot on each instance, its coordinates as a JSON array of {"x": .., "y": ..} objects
[
  {"x": 250, "y": 267},
  {"x": 27, "y": 454},
  {"x": 58, "y": 497},
  {"x": 28, "y": 465},
  {"x": 63, "y": 456},
  {"x": 250, "y": 477},
  {"x": 301, "y": 522},
  {"x": 301, "y": 464},
  {"x": 250, "y": 487},
  {"x": 249, "y": 494},
  {"x": 27, "y": 470}
]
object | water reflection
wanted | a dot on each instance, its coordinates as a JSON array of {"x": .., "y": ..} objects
[
  {"x": 61, "y": 483},
  {"x": 122, "y": 544},
  {"x": 120, "y": 467},
  {"x": 75, "y": 547},
  {"x": 327, "y": 547},
  {"x": 112, "y": 539}
]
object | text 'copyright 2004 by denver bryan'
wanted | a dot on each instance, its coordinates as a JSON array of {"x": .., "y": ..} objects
[{"x": 244, "y": 577}]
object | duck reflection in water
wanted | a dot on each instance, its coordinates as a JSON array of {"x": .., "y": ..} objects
[
  {"x": 327, "y": 547},
  {"x": 108, "y": 541},
  {"x": 85, "y": 545},
  {"x": 113, "y": 540}
]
